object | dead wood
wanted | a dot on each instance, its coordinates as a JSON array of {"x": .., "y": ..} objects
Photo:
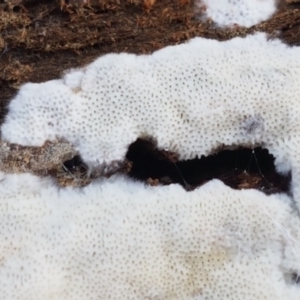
[{"x": 42, "y": 38}]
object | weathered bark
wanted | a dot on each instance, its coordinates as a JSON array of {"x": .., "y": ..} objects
[{"x": 19, "y": 159}]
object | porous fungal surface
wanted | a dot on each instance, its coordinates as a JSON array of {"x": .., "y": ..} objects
[
  {"x": 191, "y": 99},
  {"x": 240, "y": 12},
  {"x": 118, "y": 239}
]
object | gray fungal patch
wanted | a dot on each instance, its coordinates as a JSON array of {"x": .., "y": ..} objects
[{"x": 254, "y": 125}]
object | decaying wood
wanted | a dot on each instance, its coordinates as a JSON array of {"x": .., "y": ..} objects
[
  {"x": 49, "y": 160},
  {"x": 291, "y": 1},
  {"x": 19, "y": 159},
  {"x": 41, "y": 39},
  {"x": 42, "y": 161}
]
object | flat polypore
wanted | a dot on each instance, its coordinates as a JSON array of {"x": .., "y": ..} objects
[
  {"x": 237, "y": 12},
  {"x": 118, "y": 239},
  {"x": 191, "y": 99}
]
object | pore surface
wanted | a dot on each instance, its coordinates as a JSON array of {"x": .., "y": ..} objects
[
  {"x": 191, "y": 98},
  {"x": 117, "y": 239},
  {"x": 241, "y": 12}
]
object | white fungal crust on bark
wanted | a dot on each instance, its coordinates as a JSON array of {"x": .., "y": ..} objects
[
  {"x": 119, "y": 239},
  {"x": 237, "y": 12},
  {"x": 191, "y": 98}
]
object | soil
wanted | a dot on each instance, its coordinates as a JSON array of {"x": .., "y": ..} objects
[{"x": 40, "y": 39}]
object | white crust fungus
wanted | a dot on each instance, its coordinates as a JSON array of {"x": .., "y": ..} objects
[
  {"x": 118, "y": 239},
  {"x": 191, "y": 98},
  {"x": 237, "y": 12}
]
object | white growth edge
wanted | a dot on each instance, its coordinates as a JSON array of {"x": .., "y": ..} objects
[
  {"x": 192, "y": 99},
  {"x": 118, "y": 239},
  {"x": 237, "y": 12}
]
